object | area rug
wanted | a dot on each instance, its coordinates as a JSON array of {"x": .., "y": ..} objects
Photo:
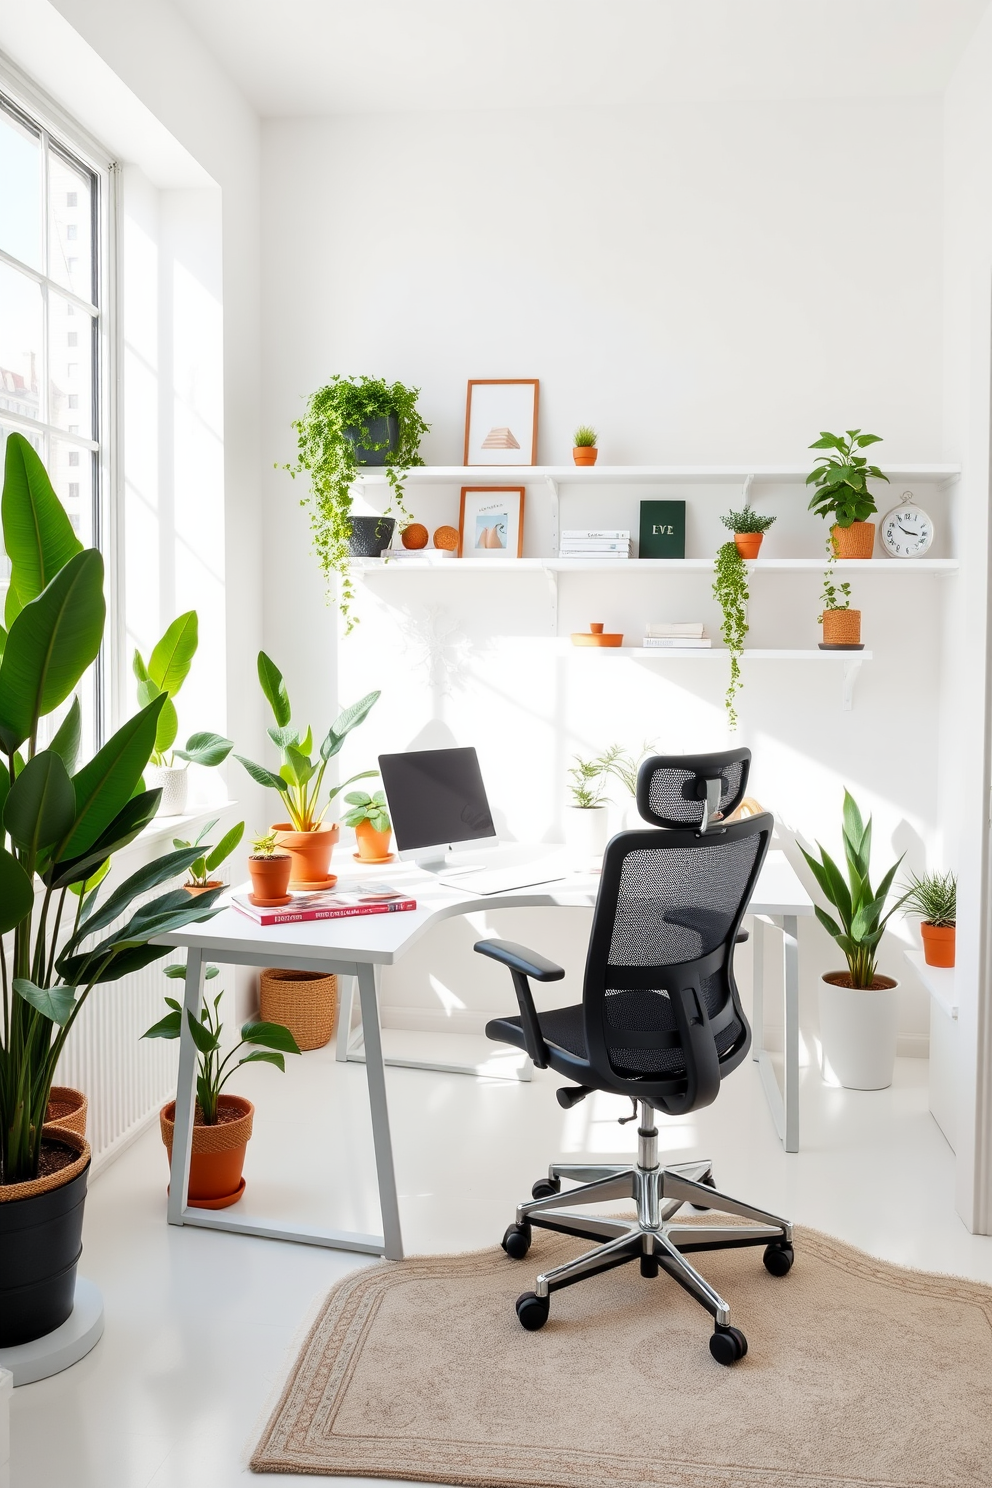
[{"x": 858, "y": 1373}]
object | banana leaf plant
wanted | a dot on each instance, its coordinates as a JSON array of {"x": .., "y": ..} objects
[
  {"x": 60, "y": 822},
  {"x": 300, "y": 778},
  {"x": 165, "y": 672}
]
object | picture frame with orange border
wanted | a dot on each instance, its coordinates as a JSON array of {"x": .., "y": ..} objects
[
  {"x": 501, "y": 421},
  {"x": 491, "y": 522}
]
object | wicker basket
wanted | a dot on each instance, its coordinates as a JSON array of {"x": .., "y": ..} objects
[
  {"x": 856, "y": 541},
  {"x": 67, "y": 1108},
  {"x": 842, "y": 627},
  {"x": 305, "y": 1004}
]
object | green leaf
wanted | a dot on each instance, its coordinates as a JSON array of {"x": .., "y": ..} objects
[
  {"x": 347, "y": 720},
  {"x": 177, "y": 971},
  {"x": 54, "y": 1003},
  {"x": 169, "y": 663},
  {"x": 838, "y": 894},
  {"x": 225, "y": 846},
  {"x": 41, "y": 806},
  {"x": 89, "y": 887},
  {"x": 138, "y": 667},
  {"x": 16, "y": 892},
  {"x": 362, "y": 775},
  {"x": 168, "y": 727},
  {"x": 118, "y": 964},
  {"x": 37, "y": 534},
  {"x": 206, "y": 749},
  {"x": 274, "y": 688},
  {"x": 296, "y": 768},
  {"x": 51, "y": 643},
  {"x": 132, "y": 819},
  {"x": 169, "y": 1027},
  {"x": 262, "y": 776},
  {"x": 68, "y": 736},
  {"x": 148, "y": 877},
  {"x": 830, "y": 925},
  {"x": 147, "y": 692},
  {"x": 358, "y": 798},
  {"x": 281, "y": 737},
  {"x": 105, "y": 785},
  {"x": 272, "y": 1035},
  {"x": 261, "y": 1056},
  {"x": 204, "y": 1040}
]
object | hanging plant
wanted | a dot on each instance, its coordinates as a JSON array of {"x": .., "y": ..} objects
[
  {"x": 730, "y": 588},
  {"x": 341, "y": 425}
]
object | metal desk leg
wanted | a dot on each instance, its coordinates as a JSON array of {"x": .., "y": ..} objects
[
  {"x": 757, "y": 986},
  {"x": 790, "y": 963},
  {"x": 182, "y": 1135},
  {"x": 375, "y": 1073}
]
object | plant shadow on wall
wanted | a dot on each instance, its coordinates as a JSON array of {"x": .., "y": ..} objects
[{"x": 437, "y": 646}]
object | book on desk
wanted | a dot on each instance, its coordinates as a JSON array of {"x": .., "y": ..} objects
[{"x": 324, "y": 904}]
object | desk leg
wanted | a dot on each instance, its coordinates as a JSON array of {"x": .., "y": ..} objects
[
  {"x": 375, "y": 1073},
  {"x": 758, "y": 987},
  {"x": 346, "y": 1007},
  {"x": 790, "y": 961},
  {"x": 182, "y": 1136}
]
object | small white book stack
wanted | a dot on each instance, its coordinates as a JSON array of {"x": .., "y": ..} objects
[
  {"x": 679, "y": 637},
  {"x": 595, "y": 542}
]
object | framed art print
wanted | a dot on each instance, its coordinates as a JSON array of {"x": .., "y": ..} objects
[
  {"x": 501, "y": 421},
  {"x": 491, "y": 522}
]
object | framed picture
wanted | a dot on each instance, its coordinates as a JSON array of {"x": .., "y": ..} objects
[
  {"x": 501, "y": 421},
  {"x": 491, "y": 522}
]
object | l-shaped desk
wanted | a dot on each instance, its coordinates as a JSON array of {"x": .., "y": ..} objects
[{"x": 358, "y": 947}]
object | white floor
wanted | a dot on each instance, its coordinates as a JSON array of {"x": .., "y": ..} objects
[{"x": 201, "y": 1327}]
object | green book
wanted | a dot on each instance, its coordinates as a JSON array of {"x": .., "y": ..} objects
[{"x": 662, "y": 529}]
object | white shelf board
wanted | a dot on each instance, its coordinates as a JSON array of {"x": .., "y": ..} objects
[
  {"x": 591, "y": 475},
  {"x": 644, "y": 565},
  {"x": 750, "y": 653},
  {"x": 938, "y": 980}
]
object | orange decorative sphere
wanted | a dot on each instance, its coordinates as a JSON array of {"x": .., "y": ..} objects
[
  {"x": 414, "y": 536},
  {"x": 446, "y": 537}
]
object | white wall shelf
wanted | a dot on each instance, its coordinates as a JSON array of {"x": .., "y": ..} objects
[
  {"x": 938, "y": 980},
  {"x": 644, "y": 565},
  {"x": 592, "y": 475}
]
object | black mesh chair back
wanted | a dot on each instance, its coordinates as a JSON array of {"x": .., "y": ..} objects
[
  {"x": 672, "y": 789},
  {"x": 663, "y": 1019}
]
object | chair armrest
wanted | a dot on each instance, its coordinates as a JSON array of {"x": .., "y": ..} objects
[{"x": 519, "y": 958}]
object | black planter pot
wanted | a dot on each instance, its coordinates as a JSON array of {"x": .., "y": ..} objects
[
  {"x": 384, "y": 431},
  {"x": 369, "y": 535},
  {"x": 40, "y": 1246}
]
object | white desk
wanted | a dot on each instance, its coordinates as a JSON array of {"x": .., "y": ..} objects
[{"x": 358, "y": 947}]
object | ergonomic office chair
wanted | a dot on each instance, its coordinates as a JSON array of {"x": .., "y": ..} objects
[{"x": 661, "y": 1022}]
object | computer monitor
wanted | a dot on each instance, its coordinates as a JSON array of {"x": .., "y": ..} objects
[{"x": 437, "y": 802}]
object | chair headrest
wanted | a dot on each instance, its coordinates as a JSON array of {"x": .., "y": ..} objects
[{"x": 685, "y": 790}]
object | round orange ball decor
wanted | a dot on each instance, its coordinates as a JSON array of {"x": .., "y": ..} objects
[
  {"x": 414, "y": 536},
  {"x": 446, "y": 537}
]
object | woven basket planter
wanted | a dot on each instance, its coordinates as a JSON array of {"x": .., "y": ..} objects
[
  {"x": 842, "y": 627},
  {"x": 67, "y": 1108},
  {"x": 305, "y": 1004},
  {"x": 856, "y": 541}
]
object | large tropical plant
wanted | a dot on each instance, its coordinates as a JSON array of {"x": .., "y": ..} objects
[{"x": 61, "y": 822}]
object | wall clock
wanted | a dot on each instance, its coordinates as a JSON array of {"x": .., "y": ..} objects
[{"x": 907, "y": 530}]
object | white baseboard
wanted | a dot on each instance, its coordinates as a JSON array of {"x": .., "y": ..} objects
[
  {"x": 436, "y": 1020},
  {"x": 913, "y": 1046},
  {"x": 123, "y": 1142}
]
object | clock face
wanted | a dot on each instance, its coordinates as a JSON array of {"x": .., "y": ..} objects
[{"x": 907, "y": 531}]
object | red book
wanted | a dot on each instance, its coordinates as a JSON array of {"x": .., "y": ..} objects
[{"x": 319, "y": 906}]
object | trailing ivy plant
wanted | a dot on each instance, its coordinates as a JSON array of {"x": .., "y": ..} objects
[
  {"x": 834, "y": 596},
  {"x": 731, "y": 589},
  {"x": 336, "y": 424}
]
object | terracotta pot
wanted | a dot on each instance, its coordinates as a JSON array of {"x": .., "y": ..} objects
[
  {"x": 194, "y": 890},
  {"x": 842, "y": 627},
  {"x": 748, "y": 543},
  {"x": 215, "y": 1180},
  {"x": 856, "y": 541},
  {"x": 372, "y": 845},
  {"x": 585, "y": 454},
  {"x": 67, "y": 1108},
  {"x": 938, "y": 943},
  {"x": 310, "y": 852},
  {"x": 269, "y": 876}
]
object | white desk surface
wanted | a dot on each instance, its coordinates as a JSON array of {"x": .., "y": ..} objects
[{"x": 382, "y": 938}]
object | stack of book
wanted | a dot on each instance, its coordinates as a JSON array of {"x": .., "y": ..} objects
[
  {"x": 683, "y": 637},
  {"x": 595, "y": 542}
]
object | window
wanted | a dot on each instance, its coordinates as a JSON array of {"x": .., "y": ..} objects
[{"x": 50, "y": 175}]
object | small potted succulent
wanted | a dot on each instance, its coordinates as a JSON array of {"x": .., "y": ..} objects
[
  {"x": 222, "y": 1123},
  {"x": 585, "y": 451},
  {"x": 210, "y": 859},
  {"x": 373, "y": 829},
  {"x": 269, "y": 871},
  {"x": 748, "y": 528},
  {"x": 841, "y": 482},
  {"x": 587, "y": 820},
  {"x": 841, "y": 624},
  {"x": 934, "y": 897}
]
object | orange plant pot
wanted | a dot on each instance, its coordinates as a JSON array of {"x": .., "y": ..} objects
[
  {"x": 842, "y": 627},
  {"x": 748, "y": 543},
  {"x": 269, "y": 876},
  {"x": 585, "y": 454},
  {"x": 938, "y": 943},
  {"x": 856, "y": 541},
  {"x": 372, "y": 845},
  {"x": 218, "y": 1159},
  {"x": 310, "y": 853},
  {"x": 195, "y": 890},
  {"x": 67, "y": 1108}
]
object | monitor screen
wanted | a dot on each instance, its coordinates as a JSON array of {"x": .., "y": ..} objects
[{"x": 436, "y": 798}]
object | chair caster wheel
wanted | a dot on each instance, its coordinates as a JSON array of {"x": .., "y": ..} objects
[
  {"x": 778, "y": 1258},
  {"x": 703, "y": 1208},
  {"x": 545, "y": 1187},
  {"x": 533, "y": 1310},
  {"x": 727, "y": 1345},
  {"x": 516, "y": 1241}
]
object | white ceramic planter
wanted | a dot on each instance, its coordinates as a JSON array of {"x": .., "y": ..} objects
[
  {"x": 173, "y": 780},
  {"x": 587, "y": 831},
  {"x": 858, "y": 1034}
]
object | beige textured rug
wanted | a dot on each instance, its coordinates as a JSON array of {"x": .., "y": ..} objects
[{"x": 858, "y": 1373}]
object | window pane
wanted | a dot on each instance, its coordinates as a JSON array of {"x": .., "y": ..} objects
[
  {"x": 20, "y": 197},
  {"x": 70, "y": 253},
  {"x": 20, "y": 343},
  {"x": 70, "y": 369},
  {"x": 73, "y": 483}
]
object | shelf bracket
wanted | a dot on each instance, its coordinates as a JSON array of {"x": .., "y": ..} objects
[
  {"x": 553, "y": 494},
  {"x": 745, "y": 494},
  {"x": 551, "y": 579},
  {"x": 851, "y": 671}
]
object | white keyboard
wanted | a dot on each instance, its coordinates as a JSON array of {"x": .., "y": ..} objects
[{"x": 500, "y": 880}]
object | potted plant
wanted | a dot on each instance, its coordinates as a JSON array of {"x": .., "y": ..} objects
[
  {"x": 305, "y": 836},
  {"x": 269, "y": 871},
  {"x": 222, "y": 1123},
  {"x": 842, "y": 492},
  {"x": 210, "y": 858},
  {"x": 623, "y": 766},
  {"x": 748, "y": 528},
  {"x": 587, "y": 828},
  {"x": 373, "y": 829},
  {"x": 61, "y": 823},
  {"x": 857, "y": 1006},
  {"x": 841, "y": 624},
  {"x": 730, "y": 587},
  {"x": 585, "y": 451},
  {"x": 354, "y": 421},
  {"x": 165, "y": 672},
  {"x": 934, "y": 897}
]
